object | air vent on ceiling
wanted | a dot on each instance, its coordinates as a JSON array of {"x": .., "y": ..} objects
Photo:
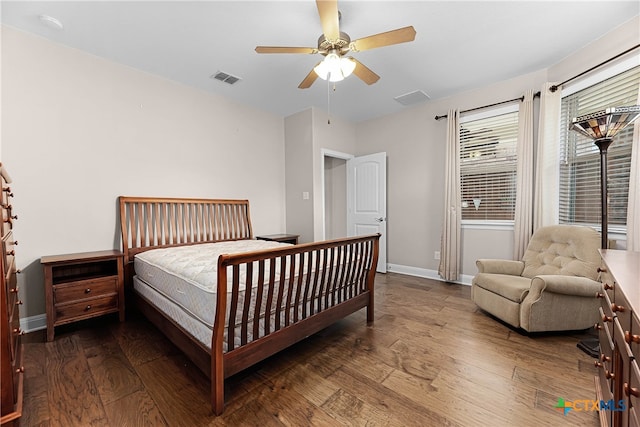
[
  {"x": 411, "y": 98},
  {"x": 225, "y": 77}
]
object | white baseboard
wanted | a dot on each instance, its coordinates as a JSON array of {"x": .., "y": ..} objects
[
  {"x": 33, "y": 323},
  {"x": 465, "y": 279}
]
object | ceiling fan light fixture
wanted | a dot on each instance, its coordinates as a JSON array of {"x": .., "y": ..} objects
[{"x": 334, "y": 68}]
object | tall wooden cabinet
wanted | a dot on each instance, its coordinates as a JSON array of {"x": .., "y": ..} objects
[
  {"x": 11, "y": 356},
  {"x": 618, "y": 379}
]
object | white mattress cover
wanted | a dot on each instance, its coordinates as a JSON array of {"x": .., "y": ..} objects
[
  {"x": 193, "y": 326},
  {"x": 187, "y": 275}
]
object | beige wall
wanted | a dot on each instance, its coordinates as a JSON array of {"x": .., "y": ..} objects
[
  {"x": 299, "y": 179},
  {"x": 78, "y": 131},
  {"x": 415, "y": 146},
  {"x": 616, "y": 41},
  {"x": 307, "y": 134},
  {"x": 414, "y": 143}
]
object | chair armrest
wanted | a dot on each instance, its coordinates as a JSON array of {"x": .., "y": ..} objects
[
  {"x": 567, "y": 285},
  {"x": 500, "y": 266}
]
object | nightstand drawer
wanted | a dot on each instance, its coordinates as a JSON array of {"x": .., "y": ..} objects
[
  {"x": 86, "y": 308},
  {"x": 15, "y": 334},
  {"x": 82, "y": 289}
]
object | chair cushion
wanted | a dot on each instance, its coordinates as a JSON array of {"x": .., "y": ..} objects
[{"x": 513, "y": 288}]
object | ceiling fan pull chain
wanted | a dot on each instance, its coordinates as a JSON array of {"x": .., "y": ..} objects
[{"x": 329, "y": 101}]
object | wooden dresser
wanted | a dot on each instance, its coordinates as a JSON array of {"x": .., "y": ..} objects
[
  {"x": 11, "y": 356},
  {"x": 618, "y": 379}
]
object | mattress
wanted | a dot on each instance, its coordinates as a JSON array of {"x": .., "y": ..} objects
[
  {"x": 186, "y": 275},
  {"x": 199, "y": 330},
  {"x": 181, "y": 282}
]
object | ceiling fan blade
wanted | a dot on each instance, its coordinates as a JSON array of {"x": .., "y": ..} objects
[
  {"x": 364, "y": 73},
  {"x": 328, "y": 11},
  {"x": 308, "y": 81},
  {"x": 401, "y": 35},
  {"x": 284, "y": 49}
]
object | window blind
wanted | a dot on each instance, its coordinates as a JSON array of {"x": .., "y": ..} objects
[
  {"x": 580, "y": 159},
  {"x": 488, "y": 167}
]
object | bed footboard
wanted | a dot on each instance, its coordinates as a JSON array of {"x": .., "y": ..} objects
[{"x": 269, "y": 300}]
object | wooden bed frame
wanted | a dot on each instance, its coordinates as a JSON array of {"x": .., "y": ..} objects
[{"x": 328, "y": 281}]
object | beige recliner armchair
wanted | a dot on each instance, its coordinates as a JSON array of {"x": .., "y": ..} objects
[{"x": 553, "y": 288}]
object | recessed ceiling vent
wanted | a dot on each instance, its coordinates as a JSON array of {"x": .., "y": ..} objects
[
  {"x": 225, "y": 77},
  {"x": 411, "y": 98}
]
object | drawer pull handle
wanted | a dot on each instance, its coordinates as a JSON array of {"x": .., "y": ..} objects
[
  {"x": 19, "y": 302},
  {"x": 599, "y": 295},
  {"x": 602, "y": 270},
  {"x": 17, "y": 331},
  {"x": 615, "y": 308},
  {"x": 87, "y": 291},
  {"x": 629, "y": 338},
  {"x": 14, "y": 290},
  {"x": 597, "y": 327},
  {"x": 606, "y": 318},
  {"x": 11, "y": 253},
  {"x": 631, "y": 391},
  {"x": 20, "y": 370},
  {"x": 605, "y": 358},
  {"x": 609, "y": 375},
  {"x": 15, "y": 243},
  {"x": 608, "y": 287},
  {"x": 87, "y": 308},
  {"x": 597, "y": 364}
]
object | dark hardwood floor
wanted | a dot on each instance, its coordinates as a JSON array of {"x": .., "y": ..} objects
[{"x": 431, "y": 358}]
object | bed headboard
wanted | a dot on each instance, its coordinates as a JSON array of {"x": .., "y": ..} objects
[{"x": 151, "y": 222}]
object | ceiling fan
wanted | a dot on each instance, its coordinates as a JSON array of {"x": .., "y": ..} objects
[{"x": 334, "y": 45}]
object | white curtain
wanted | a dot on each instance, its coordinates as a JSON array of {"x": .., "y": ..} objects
[
  {"x": 633, "y": 205},
  {"x": 450, "y": 241},
  {"x": 523, "y": 218},
  {"x": 547, "y": 177}
]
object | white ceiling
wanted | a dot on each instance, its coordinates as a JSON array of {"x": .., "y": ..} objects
[{"x": 459, "y": 45}]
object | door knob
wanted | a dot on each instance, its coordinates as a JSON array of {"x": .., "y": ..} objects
[{"x": 380, "y": 219}]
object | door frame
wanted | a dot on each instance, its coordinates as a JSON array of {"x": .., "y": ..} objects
[{"x": 324, "y": 153}]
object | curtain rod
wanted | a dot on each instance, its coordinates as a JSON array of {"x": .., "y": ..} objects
[
  {"x": 535, "y": 95},
  {"x": 559, "y": 85}
]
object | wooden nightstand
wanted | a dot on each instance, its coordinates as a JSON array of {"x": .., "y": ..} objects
[
  {"x": 81, "y": 286},
  {"x": 283, "y": 238}
]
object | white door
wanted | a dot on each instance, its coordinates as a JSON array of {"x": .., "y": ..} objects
[{"x": 367, "y": 200}]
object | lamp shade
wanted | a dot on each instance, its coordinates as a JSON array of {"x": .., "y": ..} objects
[
  {"x": 334, "y": 68},
  {"x": 606, "y": 123}
]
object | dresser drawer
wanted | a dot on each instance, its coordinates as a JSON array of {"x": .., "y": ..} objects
[
  {"x": 606, "y": 319},
  {"x": 86, "y": 308},
  {"x": 18, "y": 368},
  {"x": 83, "y": 289},
  {"x": 14, "y": 333},
  {"x": 605, "y": 362},
  {"x": 633, "y": 336},
  {"x": 622, "y": 310},
  {"x": 608, "y": 282},
  {"x": 606, "y": 303},
  {"x": 632, "y": 392}
]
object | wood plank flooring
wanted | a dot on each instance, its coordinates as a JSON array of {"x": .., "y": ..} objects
[{"x": 431, "y": 358}]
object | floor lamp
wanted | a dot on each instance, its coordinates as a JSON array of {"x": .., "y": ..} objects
[{"x": 602, "y": 126}]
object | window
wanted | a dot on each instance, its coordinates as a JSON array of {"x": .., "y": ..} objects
[
  {"x": 488, "y": 167},
  {"x": 580, "y": 158}
]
